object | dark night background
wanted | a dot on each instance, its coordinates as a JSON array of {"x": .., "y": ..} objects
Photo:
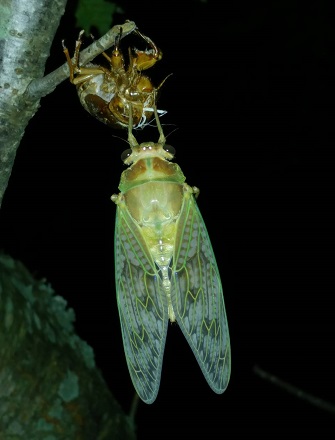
[{"x": 252, "y": 95}]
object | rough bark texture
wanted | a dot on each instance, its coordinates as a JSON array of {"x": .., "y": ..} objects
[
  {"x": 50, "y": 387},
  {"x": 27, "y": 29},
  {"x": 26, "y": 33}
]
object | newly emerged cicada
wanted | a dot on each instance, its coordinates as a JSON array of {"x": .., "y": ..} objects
[
  {"x": 109, "y": 93},
  {"x": 165, "y": 269}
]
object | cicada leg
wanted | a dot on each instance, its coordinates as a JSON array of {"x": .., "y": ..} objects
[
  {"x": 162, "y": 138},
  {"x": 144, "y": 59},
  {"x": 131, "y": 138},
  {"x": 116, "y": 60},
  {"x": 73, "y": 66},
  {"x": 84, "y": 73}
]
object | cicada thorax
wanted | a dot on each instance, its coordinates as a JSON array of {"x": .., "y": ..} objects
[
  {"x": 111, "y": 101},
  {"x": 138, "y": 97},
  {"x": 153, "y": 192},
  {"x": 151, "y": 183},
  {"x": 110, "y": 94}
]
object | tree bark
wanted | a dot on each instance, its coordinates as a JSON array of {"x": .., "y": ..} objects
[
  {"x": 50, "y": 387},
  {"x": 27, "y": 29}
]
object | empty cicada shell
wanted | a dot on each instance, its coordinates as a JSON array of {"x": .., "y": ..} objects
[{"x": 108, "y": 93}]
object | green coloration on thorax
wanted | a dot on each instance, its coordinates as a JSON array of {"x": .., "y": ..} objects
[
  {"x": 153, "y": 193},
  {"x": 150, "y": 168}
]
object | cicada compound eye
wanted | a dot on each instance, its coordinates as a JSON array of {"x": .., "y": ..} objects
[
  {"x": 170, "y": 149},
  {"x": 126, "y": 154}
]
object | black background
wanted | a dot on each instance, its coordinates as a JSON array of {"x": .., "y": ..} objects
[{"x": 252, "y": 96}]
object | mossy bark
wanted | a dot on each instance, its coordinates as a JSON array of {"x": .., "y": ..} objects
[{"x": 50, "y": 388}]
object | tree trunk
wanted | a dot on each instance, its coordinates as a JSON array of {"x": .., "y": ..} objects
[{"x": 50, "y": 387}]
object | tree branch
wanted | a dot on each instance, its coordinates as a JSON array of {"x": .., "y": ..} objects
[
  {"x": 27, "y": 29},
  {"x": 295, "y": 391},
  {"x": 42, "y": 87}
]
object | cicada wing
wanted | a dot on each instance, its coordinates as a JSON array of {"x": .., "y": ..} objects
[
  {"x": 197, "y": 297},
  {"x": 142, "y": 307}
]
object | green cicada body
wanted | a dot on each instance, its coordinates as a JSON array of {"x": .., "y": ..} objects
[{"x": 165, "y": 271}]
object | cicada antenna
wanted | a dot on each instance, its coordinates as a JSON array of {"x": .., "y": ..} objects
[{"x": 162, "y": 82}]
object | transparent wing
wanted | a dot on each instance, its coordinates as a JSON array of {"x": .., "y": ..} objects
[
  {"x": 197, "y": 297},
  {"x": 142, "y": 307}
]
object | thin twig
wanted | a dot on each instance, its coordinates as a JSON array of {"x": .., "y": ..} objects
[
  {"x": 295, "y": 391},
  {"x": 44, "y": 86},
  {"x": 134, "y": 407}
]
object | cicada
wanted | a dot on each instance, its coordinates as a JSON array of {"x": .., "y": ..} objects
[
  {"x": 107, "y": 93},
  {"x": 165, "y": 269}
]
